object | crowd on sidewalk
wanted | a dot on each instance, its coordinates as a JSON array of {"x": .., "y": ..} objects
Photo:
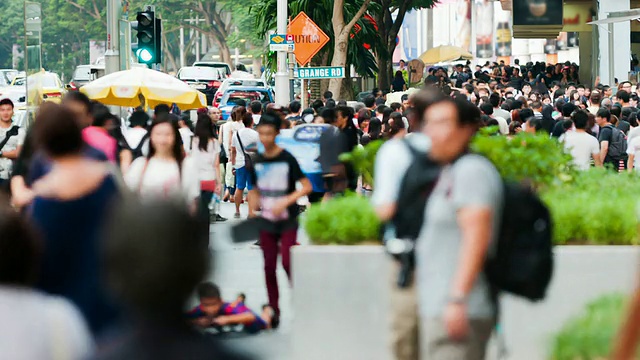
[{"x": 105, "y": 229}]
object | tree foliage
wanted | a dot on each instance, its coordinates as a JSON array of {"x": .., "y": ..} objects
[
  {"x": 389, "y": 29},
  {"x": 320, "y": 11}
]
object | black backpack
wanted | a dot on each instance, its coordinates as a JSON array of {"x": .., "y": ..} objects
[
  {"x": 137, "y": 151},
  {"x": 618, "y": 143},
  {"x": 415, "y": 189},
  {"x": 521, "y": 263}
]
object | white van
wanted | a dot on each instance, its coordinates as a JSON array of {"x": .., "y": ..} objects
[{"x": 84, "y": 74}]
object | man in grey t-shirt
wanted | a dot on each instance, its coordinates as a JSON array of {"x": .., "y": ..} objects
[{"x": 462, "y": 215}]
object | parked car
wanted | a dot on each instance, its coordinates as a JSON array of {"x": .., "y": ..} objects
[
  {"x": 235, "y": 82},
  {"x": 234, "y": 94},
  {"x": 85, "y": 74},
  {"x": 6, "y": 76},
  {"x": 43, "y": 86},
  {"x": 202, "y": 78},
  {"x": 224, "y": 68}
]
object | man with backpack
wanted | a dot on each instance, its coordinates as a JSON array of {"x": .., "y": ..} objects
[
  {"x": 11, "y": 141},
  {"x": 458, "y": 311},
  {"x": 399, "y": 198},
  {"x": 137, "y": 138},
  {"x": 613, "y": 143}
]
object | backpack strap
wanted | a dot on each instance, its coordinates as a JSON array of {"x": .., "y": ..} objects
[
  {"x": 13, "y": 131},
  {"x": 141, "y": 143}
]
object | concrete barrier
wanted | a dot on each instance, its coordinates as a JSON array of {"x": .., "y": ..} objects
[{"x": 341, "y": 300}]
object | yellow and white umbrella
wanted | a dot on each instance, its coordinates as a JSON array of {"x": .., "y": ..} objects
[
  {"x": 125, "y": 88},
  {"x": 445, "y": 53}
]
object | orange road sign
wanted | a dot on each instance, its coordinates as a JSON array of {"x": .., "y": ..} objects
[{"x": 308, "y": 38}]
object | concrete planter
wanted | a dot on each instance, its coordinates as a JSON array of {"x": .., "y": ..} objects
[
  {"x": 341, "y": 300},
  {"x": 340, "y": 297}
]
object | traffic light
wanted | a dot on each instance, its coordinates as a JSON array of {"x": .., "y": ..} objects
[{"x": 148, "y": 37}]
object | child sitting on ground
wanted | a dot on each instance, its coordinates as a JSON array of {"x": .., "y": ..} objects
[{"x": 213, "y": 312}]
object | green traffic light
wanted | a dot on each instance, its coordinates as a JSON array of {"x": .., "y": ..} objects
[{"x": 144, "y": 55}]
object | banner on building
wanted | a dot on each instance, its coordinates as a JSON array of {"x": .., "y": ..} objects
[
  {"x": 484, "y": 28},
  {"x": 503, "y": 30},
  {"x": 463, "y": 24},
  {"x": 537, "y": 12}
]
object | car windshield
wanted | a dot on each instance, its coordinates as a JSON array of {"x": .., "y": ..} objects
[
  {"x": 222, "y": 68},
  {"x": 20, "y": 82},
  {"x": 198, "y": 73},
  {"x": 82, "y": 73},
  {"x": 49, "y": 81},
  {"x": 248, "y": 96},
  {"x": 7, "y": 76}
]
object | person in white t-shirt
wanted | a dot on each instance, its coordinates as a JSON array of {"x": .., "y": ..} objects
[
  {"x": 256, "y": 111},
  {"x": 582, "y": 146},
  {"x": 165, "y": 173},
  {"x": 243, "y": 143},
  {"x": 186, "y": 135},
  {"x": 205, "y": 152},
  {"x": 137, "y": 133}
]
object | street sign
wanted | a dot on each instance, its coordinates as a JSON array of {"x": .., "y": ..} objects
[
  {"x": 280, "y": 42},
  {"x": 328, "y": 72},
  {"x": 308, "y": 37}
]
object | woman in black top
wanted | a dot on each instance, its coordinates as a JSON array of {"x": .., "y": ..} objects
[{"x": 398, "y": 83}]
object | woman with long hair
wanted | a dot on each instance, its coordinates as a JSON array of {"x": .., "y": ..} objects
[
  {"x": 165, "y": 173},
  {"x": 70, "y": 206},
  {"x": 375, "y": 129},
  {"x": 205, "y": 153}
]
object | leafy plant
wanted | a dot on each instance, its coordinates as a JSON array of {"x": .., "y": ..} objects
[
  {"x": 526, "y": 157},
  {"x": 590, "y": 336},
  {"x": 347, "y": 220},
  {"x": 596, "y": 207},
  {"x": 363, "y": 159}
]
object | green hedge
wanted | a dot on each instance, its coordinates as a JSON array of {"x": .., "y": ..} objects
[
  {"x": 590, "y": 336},
  {"x": 348, "y": 220},
  {"x": 598, "y": 207}
]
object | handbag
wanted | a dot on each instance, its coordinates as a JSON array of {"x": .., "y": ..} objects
[
  {"x": 223, "y": 153},
  {"x": 248, "y": 160}
]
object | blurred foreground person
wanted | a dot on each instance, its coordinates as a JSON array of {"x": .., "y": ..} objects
[
  {"x": 627, "y": 339},
  {"x": 70, "y": 205},
  {"x": 462, "y": 216},
  {"x": 154, "y": 262},
  {"x": 34, "y": 325}
]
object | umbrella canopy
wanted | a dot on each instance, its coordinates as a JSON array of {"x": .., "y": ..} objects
[
  {"x": 445, "y": 53},
  {"x": 124, "y": 88}
]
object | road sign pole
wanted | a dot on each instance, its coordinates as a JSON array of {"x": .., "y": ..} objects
[
  {"x": 112, "y": 55},
  {"x": 282, "y": 76}
]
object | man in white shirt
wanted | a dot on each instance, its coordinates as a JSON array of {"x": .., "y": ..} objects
[
  {"x": 12, "y": 137},
  {"x": 243, "y": 143},
  {"x": 495, "y": 100},
  {"x": 582, "y": 146},
  {"x": 256, "y": 111},
  {"x": 226, "y": 132},
  {"x": 186, "y": 134}
]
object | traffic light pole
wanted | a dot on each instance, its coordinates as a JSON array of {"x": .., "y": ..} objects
[
  {"x": 282, "y": 75},
  {"x": 112, "y": 55}
]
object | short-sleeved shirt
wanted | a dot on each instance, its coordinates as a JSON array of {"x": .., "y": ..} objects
[
  {"x": 634, "y": 149},
  {"x": 472, "y": 181},
  {"x": 606, "y": 134},
  {"x": 41, "y": 164},
  {"x": 581, "y": 146},
  {"x": 233, "y": 309},
  {"x": 6, "y": 165},
  {"x": 276, "y": 178},
  {"x": 250, "y": 139},
  {"x": 392, "y": 161},
  {"x": 163, "y": 179},
  {"x": 100, "y": 139}
]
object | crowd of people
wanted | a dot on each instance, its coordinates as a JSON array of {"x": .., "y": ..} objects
[{"x": 107, "y": 235}]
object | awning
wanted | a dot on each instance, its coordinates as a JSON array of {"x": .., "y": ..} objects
[{"x": 632, "y": 15}]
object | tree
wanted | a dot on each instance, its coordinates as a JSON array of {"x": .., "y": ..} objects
[
  {"x": 389, "y": 29},
  {"x": 341, "y": 32},
  {"x": 320, "y": 11},
  {"x": 217, "y": 19}
]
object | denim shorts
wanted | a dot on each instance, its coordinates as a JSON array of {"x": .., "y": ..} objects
[{"x": 243, "y": 179}]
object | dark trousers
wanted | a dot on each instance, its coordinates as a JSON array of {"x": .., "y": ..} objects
[{"x": 269, "y": 243}]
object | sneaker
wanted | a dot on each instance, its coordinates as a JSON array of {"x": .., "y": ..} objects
[
  {"x": 256, "y": 244},
  {"x": 236, "y": 216},
  {"x": 219, "y": 218},
  {"x": 275, "y": 322}
]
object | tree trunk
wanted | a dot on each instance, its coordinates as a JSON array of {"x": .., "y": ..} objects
[
  {"x": 346, "y": 93},
  {"x": 385, "y": 70},
  {"x": 339, "y": 59},
  {"x": 225, "y": 53}
]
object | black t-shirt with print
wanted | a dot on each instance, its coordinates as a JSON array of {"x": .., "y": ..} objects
[{"x": 276, "y": 179}]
